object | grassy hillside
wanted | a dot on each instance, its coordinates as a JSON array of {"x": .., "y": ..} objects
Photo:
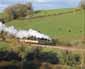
[
  {"x": 65, "y": 27},
  {"x": 46, "y": 12},
  {"x": 1, "y": 15},
  {"x": 68, "y": 26}
]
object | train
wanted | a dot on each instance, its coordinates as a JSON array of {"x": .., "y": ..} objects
[
  {"x": 27, "y": 36},
  {"x": 38, "y": 41}
]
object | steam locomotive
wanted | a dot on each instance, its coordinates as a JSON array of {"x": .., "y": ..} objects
[
  {"x": 39, "y": 41},
  {"x": 33, "y": 39}
]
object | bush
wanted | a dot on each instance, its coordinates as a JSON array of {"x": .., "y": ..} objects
[
  {"x": 69, "y": 58},
  {"x": 30, "y": 65},
  {"x": 72, "y": 59},
  {"x": 48, "y": 57},
  {"x": 9, "y": 56},
  {"x": 17, "y": 11}
]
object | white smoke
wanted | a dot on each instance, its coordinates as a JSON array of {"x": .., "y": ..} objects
[
  {"x": 10, "y": 30},
  {"x": 22, "y": 33},
  {"x": 37, "y": 34},
  {"x": 2, "y": 26}
]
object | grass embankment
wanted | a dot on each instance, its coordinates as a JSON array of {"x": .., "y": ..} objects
[{"x": 65, "y": 27}]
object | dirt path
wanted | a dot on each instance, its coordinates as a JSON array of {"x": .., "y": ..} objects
[
  {"x": 74, "y": 48},
  {"x": 68, "y": 48}
]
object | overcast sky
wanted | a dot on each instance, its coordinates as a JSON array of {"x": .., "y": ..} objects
[{"x": 42, "y": 4}]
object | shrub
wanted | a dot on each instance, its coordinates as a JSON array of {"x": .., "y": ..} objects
[
  {"x": 48, "y": 57},
  {"x": 17, "y": 11},
  {"x": 9, "y": 56},
  {"x": 72, "y": 59}
]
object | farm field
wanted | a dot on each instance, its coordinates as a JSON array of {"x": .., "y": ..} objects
[{"x": 64, "y": 27}]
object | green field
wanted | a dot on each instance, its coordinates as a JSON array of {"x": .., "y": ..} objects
[{"x": 65, "y": 27}]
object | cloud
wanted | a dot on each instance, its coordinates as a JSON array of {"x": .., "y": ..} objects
[
  {"x": 43, "y": 4},
  {"x": 56, "y": 1},
  {"x": 39, "y": 1}
]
